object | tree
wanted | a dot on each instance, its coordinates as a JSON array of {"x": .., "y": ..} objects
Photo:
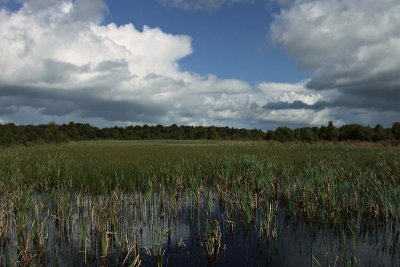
[
  {"x": 51, "y": 133},
  {"x": 380, "y": 133},
  {"x": 329, "y": 133},
  {"x": 307, "y": 135},
  {"x": 396, "y": 130},
  {"x": 7, "y": 135},
  {"x": 283, "y": 134}
]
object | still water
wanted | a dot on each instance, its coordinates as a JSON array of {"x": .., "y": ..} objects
[{"x": 154, "y": 231}]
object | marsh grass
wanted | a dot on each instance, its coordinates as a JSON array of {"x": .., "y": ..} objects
[{"x": 120, "y": 200}]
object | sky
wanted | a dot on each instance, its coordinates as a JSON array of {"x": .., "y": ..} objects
[{"x": 239, "y": 63}]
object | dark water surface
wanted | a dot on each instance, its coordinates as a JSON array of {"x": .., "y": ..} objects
[{"x": 99, "y": 231}]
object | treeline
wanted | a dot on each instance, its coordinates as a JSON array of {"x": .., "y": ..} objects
[
  {"x": 11, "y": 134},
  {"x": 348, "y": 132}
]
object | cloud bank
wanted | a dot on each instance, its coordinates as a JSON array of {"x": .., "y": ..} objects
[
  {"x": 350, "y": 46},
  {"x": 63, "y": 64},
  {"x": 59, "y": 62}
]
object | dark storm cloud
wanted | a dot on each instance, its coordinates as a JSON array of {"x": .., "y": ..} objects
[
  {"x": 352, "y": 47},
  {"x": 57, "y": 72},
  {"x": 372, "y": 101},
  {"x": 58, "y": 102},
  {"x": 297, "y": 104}
]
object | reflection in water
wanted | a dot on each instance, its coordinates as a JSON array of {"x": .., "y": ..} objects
[{"x": 157, "y": 229}]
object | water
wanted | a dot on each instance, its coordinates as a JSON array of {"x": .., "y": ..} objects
[{"x": 160, "y": 230}]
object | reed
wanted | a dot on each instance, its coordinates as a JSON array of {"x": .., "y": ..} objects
[
  {"x": 212, "y": 240},
  {"x": 115, "y": 199}
]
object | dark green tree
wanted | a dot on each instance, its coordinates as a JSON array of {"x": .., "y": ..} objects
[
  {"x": 396, "y": 130},
  {"x": 329, "y": 132},
  {"x": 51, "y": 133}
]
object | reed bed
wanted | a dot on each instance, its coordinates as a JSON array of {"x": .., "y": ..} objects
[{"x": 123, "y": 201}]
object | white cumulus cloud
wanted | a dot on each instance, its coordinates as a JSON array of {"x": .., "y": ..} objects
[
  {"x": 63, "y": 64},
  {"x": 60, "y": 62},
  {"x": 351, "y": 46}
]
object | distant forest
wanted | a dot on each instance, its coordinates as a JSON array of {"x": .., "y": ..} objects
[{"x": 11, "y": 134}]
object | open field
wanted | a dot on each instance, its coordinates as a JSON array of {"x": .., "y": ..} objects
[{"x": 96, "y": 193}]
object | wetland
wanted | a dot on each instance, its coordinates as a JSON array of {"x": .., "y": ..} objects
[{"x": 200, "y": 203}]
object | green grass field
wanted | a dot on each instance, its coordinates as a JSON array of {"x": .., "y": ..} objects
[{"x": 316, "y": 179}]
